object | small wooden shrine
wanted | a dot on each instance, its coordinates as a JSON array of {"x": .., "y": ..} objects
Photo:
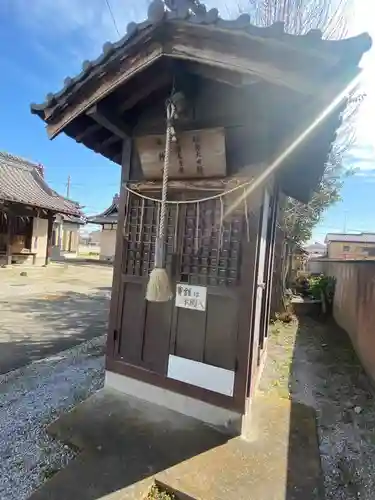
[{"x": 255, "y": 111}]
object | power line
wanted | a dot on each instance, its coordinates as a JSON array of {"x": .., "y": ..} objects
[{"x": 113, "y": 17}]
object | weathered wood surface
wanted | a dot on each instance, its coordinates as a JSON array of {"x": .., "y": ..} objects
[
  {"x": 109, "y": 121},
  {"x": 103, "y": 87},
  {"x": 198, "y": 153}
]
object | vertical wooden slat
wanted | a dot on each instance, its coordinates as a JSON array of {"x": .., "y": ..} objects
[
  {"x": 114, "y": 324},
  {"x": 258, "y": 292},
  {"x": 266, "y": 308},
  {"x": 49, "y": 238},
  {"x": 9, "y": 239},
  {"x": 246, "y": 309},
  {"x": 129, "y": 344}
]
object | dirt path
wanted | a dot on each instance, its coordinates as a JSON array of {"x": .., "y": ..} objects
[
  {"x": 314, "y": 363},
  {"x": 50, "y": 310}
]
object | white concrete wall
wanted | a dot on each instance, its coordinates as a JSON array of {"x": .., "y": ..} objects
[
  {"x": 107, "y": 244},
  {"x": 39, "y": 239},
  {"x": 67, "y": 229}
]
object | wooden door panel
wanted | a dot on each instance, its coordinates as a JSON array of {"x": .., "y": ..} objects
[
  {"x": 205, "y": 250},
  {"x": 211, "y": 336},
  {"x": 132, "y": 320},
  {"x": 156, "y": 336},
  {"x": 190, "y": 330},
  {"x": 221, "y": 332}
]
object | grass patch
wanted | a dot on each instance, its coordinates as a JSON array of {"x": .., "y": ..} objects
[
  {"x": 49, "y": 472},
  {"x": 158, "y": 493}
]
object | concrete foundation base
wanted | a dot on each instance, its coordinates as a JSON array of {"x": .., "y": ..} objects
[{"x": 226, "y": 420}]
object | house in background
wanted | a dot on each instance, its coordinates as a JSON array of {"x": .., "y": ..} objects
[
  {"x": 108, "y": 221},
  {"x": 315, "y": 250},
  {"x": 28, "y": 207},
  {"x": 351, "y": 246}
]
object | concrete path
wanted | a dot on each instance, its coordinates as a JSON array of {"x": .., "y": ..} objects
[
  {"x": 50, "y": 309},
  {"x": 313, "y": 362},
  {"x": 128, "y": 445}
]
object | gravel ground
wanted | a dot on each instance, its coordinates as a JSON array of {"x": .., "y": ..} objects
[
  {"x": 315, "y": 364},
  {"x": 31, "y": 398}
]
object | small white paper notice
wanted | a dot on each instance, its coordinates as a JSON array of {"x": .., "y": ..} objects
[{"x": 191, "y": 297}]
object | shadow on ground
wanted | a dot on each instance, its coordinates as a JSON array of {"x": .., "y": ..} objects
[
  {"x": 83, "y": 261},
  {"x": 125, "y": 442},
  {"x": 34, "y": 327},
  {"x": 312, "y": 362}
]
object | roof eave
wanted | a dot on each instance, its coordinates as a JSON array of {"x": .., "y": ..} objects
[{"x": 54, "y": 110}]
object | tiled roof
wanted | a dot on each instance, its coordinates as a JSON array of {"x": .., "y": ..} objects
[
  {"x": 350, "y": 50},
  {"x": 21, "y": 182},
  {"x": 74, "y": 220},
  {"x": 109, "y": 216}
]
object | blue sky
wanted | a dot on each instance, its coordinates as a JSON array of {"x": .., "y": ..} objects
[
  {"x": 43, "y": 41},
  {"x": 356, "y": 211}
]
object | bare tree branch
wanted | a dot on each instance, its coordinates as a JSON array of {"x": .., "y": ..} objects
[{"x": 299, "y": 17}]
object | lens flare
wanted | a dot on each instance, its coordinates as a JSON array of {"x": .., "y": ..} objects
[{"x": 293, "y": 146}]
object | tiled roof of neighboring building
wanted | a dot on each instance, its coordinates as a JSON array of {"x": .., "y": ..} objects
[
  {"x": 74, "y": 220},
  {"x": 315, "y": 247},
  {"x": 109, "y": 216},
  {"x": 351, "y": 238},
  {"x": 21, "y": 182}
]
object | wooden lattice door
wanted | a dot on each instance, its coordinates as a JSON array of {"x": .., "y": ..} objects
[
  {"x": 144, "y": 327},
  {"x": 205, "y": 342},
  {"x": 202, "y": 249}
]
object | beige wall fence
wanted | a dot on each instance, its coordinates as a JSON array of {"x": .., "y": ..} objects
[{"x": 354, "y": 306}]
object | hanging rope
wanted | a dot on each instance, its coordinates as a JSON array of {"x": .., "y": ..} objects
[
  {"x": 196, "y": 239},
  {"x": 171, "y": 110},
  {"x": 188, "y": 202},
  {"x": 247, "y": 218},
  {"x": 159, "y": 288},
  {"x": 221, "y": 228}
]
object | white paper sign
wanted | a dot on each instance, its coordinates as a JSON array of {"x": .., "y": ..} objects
[{"x": 191, "y": 297}]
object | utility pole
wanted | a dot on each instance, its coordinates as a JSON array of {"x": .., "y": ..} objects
[{"x": 68, "y": 187}]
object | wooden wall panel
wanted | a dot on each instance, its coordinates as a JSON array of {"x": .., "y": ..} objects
[
  {"x": 131, "y": 333},
  {"x": 190, "y": 334},
  {"x": 156, "y": 336},
  {"x": 221, "y": 332}
]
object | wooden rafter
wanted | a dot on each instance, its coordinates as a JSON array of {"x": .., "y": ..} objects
[
  {"x": 92, "y": 129},
  {"x": 109, "y": 121},
  {"x": 144, "y": 90},
  {"x": 104, "y": 87}
]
